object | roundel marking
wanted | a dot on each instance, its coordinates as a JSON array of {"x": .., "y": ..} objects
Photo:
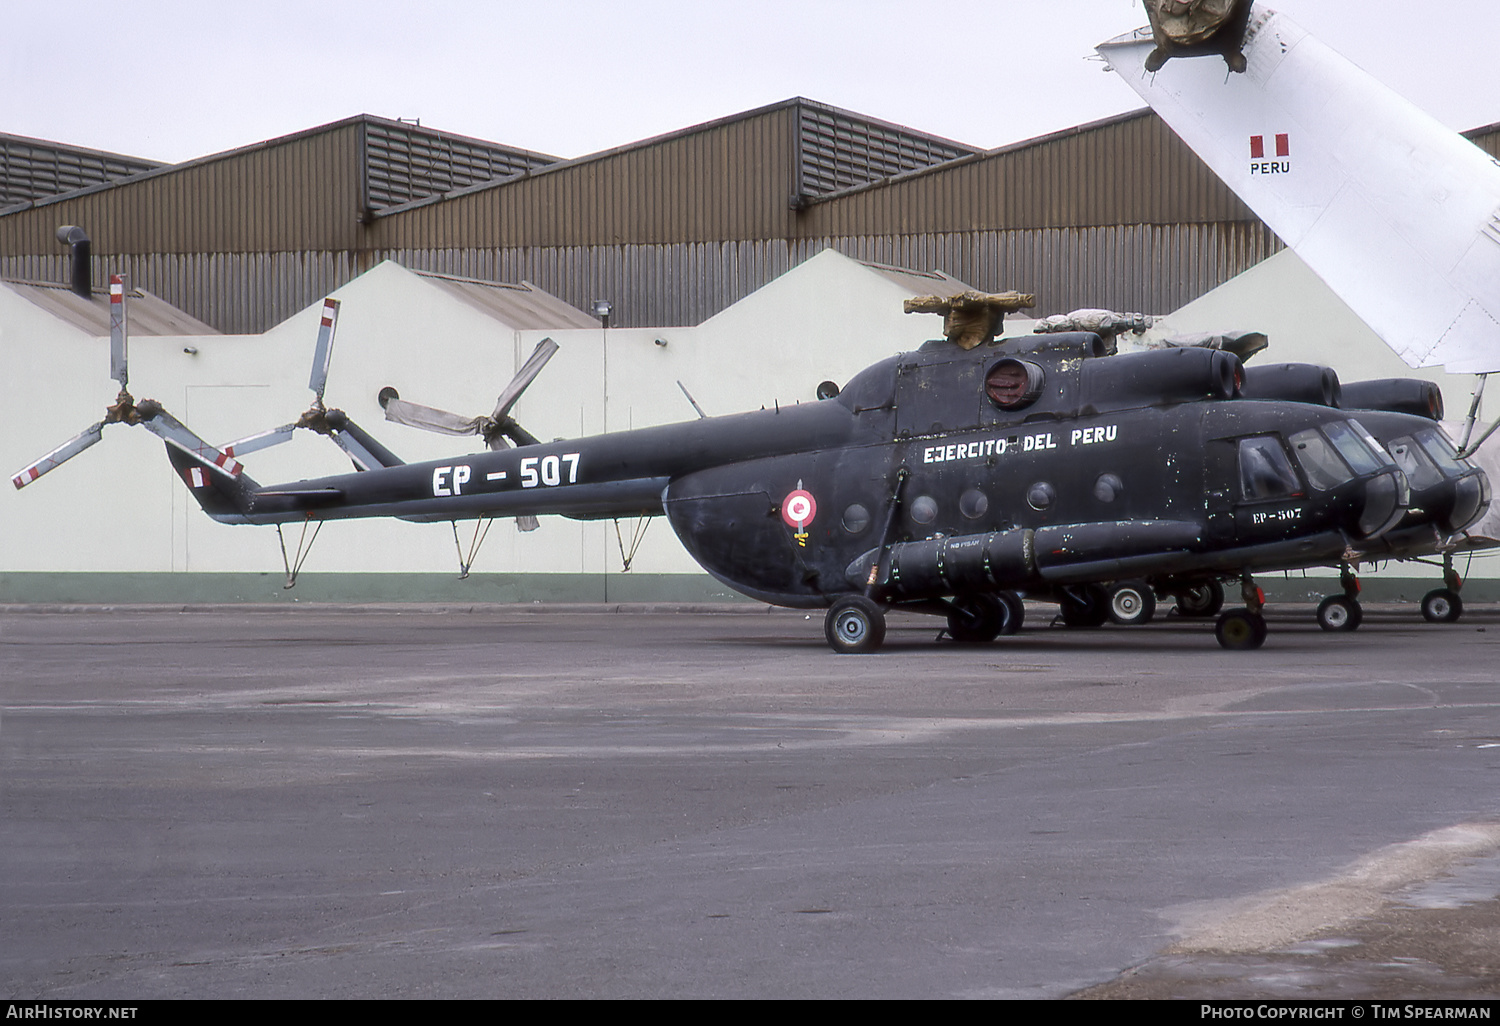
[{"x": 798, "y": 508}]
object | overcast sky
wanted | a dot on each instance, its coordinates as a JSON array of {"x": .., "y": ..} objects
[{"x": 176, "y": 79}]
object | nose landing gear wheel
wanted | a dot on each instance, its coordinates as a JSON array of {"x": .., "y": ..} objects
[
  {"x": 1240, "y": 630},
  {"x": 854, "y": 624},
  {"x": 1442, "y": 606},
  {"x": 1337, "y": 613}
]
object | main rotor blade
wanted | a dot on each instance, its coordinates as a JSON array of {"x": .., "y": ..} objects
[
  {"x": 529, "y": 370},
  {"x": 172, "y": 431},
  {"x": 57, "y": 457},
  {"x": 415, "y": 415},
  {"x": 119, "y": 330},
  {"x": 263, "y": 440},
  {"x": 323, "y": 354}
]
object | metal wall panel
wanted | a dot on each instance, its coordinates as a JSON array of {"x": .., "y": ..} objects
[
  {"x": 406, "y": 162},
  {"x": 1145, "y": 268},
  {"x": 32, "y": 169},
  {"x": 728, "y": 181},
  {"x": 296, "y": 195},
  {"x": 1123, "y": 171},
  {"x": 237, "y": 293}
]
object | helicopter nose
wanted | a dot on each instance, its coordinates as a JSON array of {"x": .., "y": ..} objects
[{"x": 1386, "y": 499}]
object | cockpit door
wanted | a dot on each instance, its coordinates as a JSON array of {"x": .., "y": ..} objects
[{"x": 1220, "y": 479}]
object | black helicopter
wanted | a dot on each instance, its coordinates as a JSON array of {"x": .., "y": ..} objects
[
  {"x": 938, "y": 481},
  {"x": 1448, "y": 493}
]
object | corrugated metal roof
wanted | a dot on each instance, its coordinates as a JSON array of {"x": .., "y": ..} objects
[
  {"x": 920, "y": 283},
  {"x": 524, "y": 306},
  {"x": 149, "y": 315}
]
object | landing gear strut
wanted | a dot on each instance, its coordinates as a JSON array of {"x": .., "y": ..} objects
[
  {"x": 1342, "y": 612},
  {"x": 1442, "y": 605}
]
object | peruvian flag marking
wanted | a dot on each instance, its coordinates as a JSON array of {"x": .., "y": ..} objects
[{"x": 1283, "y": 142}]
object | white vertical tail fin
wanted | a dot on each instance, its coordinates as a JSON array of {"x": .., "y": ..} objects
[{"x": 1398, "y": 214}]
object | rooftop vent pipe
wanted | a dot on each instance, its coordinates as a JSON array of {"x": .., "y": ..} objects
[{"x": 81, "y": 249}]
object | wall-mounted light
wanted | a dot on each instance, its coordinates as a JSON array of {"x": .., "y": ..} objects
[
  {"x": 602, "y": 309},
  {"x": 190, "y": 350},
  {"x": 662, "y": 343}
]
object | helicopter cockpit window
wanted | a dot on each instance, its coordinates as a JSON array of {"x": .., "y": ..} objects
[
  {"x": 1349, "y": 439},
  {"x": 1319, "y": 461},
  {"x": 1418, "y": 467},
  {"x": 1265, "y": 472},
  {"x": 1436, "y": 445},
  {"x": 1012, "y": 384}
]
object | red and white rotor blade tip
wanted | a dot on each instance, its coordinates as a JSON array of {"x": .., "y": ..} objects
[
  {"x": 323, "y": 354},
  {"x": 119, "y": 330},
  {"x": 57, "y": 457}
]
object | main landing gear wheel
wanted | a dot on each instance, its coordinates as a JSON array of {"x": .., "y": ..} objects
[
  {"x": 1338, "y": 613},
  {"x": 975, "y": 619},
  {"x": 1240, "y": 630},
  {"x": 854, "y": 624},
  {"x": 1086, "y": 606},
  {"x": 1132, "y": 603},
  {"x": 1015, "y": 612},
  {"x": 1200, "y": 599},
  {"x": 1442, "y": 606}
]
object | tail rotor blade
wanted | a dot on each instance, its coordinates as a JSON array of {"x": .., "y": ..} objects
[
  {"x": 119, "y": 330},
  {"x": 399, "y": 411},
  {"x": 529, "y": 370},
  {"x": 57, "y": 457},
  {"x": 263, "y": 440},
  {"x": 323, "y": 355}
]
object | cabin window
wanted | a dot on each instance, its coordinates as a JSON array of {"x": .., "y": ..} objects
[
  {"x": 1012, "y": 384},
  {"x": 1040, "y": 496},
  {"x": 1265, "y": 472},
  {"x": 973, "y": 504},
  {"x": 924, "y": 509},
  {"x": 856, "y": 519},
  {"x": 1108, "y": 488},
  {"x": 1319, "y": 460}
]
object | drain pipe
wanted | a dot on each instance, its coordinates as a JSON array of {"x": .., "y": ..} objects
[{"x": 77, "y": 241}]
